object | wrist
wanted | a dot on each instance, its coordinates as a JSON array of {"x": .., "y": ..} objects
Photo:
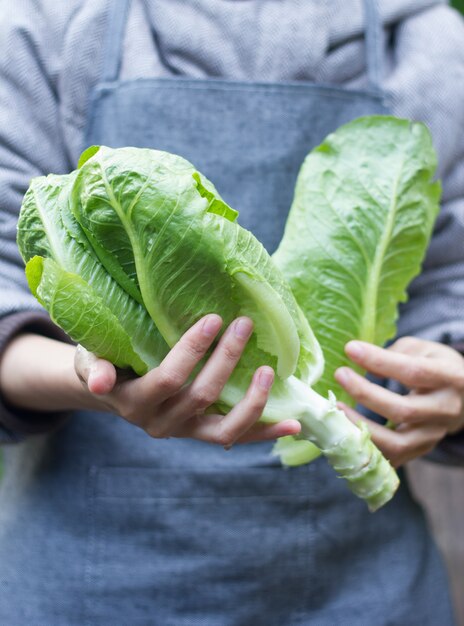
[{"x": 37, "y": 373}]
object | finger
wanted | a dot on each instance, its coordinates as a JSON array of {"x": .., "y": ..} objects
[
  {"x": 399, "y": 446},
  {"x": 443, "y": 404},
  {"x": 412, "y": 371},
  {"x": 205, "y": 428},
  {"x": 414, "y": 346},
  {"x": 98, "y": 375},
  {"x": 266, "y": 432},
  {"x": 172, "y": 374},
  {"x": 239, "y": 420},
  {"x": 208, "y": 384}
]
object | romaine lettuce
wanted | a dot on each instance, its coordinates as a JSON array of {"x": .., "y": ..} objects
[
  {"x": 131, "y": 249},
  {"x": 356, "y": 235}
]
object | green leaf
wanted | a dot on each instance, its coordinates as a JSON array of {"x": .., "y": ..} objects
[
  {"x": 86, "y": 155},
  {"x": 37, "y": 228},
  {"x": 47, "y": 228},
  {"x": 81, "y": 313},
  {"x": 216, "y": 203},
  {"x": 160, "y": 228},
  {"x": 357, "y": 232},
  {"x": 277, "y": 331},
  {"x": 293, "y": 452}
]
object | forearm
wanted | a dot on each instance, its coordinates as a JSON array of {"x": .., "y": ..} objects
[{"x": 37, "y": 373}]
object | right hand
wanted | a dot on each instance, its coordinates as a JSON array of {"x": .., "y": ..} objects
[{"x": 165, "y": 404}]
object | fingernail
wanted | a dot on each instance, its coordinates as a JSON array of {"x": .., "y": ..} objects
[
  {"x": 266, "y": 378},
  {"x": 211, "y": 325},
  {"x": 342, "y": 375},
  {"x": 92, "y": 371},
  {"x": 355, "y": 348},
  {"x": 243, "y": 327}
]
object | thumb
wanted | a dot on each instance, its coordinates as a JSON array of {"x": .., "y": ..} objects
[{"x": 98, "y": 375}]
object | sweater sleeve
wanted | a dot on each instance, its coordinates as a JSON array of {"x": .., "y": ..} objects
[
  {"x": 450, "y": 450},
  {"x": 15, "y": 423},
  {"x": 31, "y": 144},
  {"x": 435, "y": 308}
]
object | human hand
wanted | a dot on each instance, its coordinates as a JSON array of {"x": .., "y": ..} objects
[
  {"x": 165, "y": 404},
  {"x": 433, "y": 408}
]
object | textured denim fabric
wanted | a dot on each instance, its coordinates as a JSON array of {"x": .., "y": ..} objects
[{"x": 100, "y": 525}]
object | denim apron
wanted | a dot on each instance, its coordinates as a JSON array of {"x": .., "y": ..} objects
[{"x": 102, "y": 525}]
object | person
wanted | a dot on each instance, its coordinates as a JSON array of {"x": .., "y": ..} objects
[{"x": 126, "y": 508}]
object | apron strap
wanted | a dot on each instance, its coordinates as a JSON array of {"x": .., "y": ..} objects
[
  {"x": 114, "y": 39},
  {"x": 374, "y": 45},
  {"x": 119, "y": 11}
]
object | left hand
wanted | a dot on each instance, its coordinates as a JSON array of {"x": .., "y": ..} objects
[{"x": 433, "y": 408}]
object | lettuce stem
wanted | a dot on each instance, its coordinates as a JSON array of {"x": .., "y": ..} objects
[{"x": 347, "y": 446}]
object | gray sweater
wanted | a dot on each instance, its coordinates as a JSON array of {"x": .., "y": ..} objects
[{"x": 50, "y": 58}]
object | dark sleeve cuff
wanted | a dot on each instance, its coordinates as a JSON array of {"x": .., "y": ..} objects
[
  {"x": 16, "y": 423},
  {"x": 450, "y": 450}
]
